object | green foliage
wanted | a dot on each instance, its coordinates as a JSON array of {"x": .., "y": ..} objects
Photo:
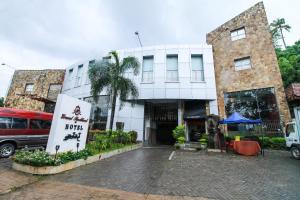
[
  {"x": 103, "y": 142},
  {"x": 178, "y": 132},
  {"x": 42, "y": 158},
  {"x": 1, "y": 101},
  {"x": 111, "y": 76},
  {"x": 133, "y": 136},
  {"x": 277, "y": 27},
  {"x": 289, "y": 63},
  {"x": 36, "y": 158},
  {"x": 203, "y": 141},
  {"x": 93, "y": 133},
  {"x": 181, "y": 140},
  {"x": 273, "y": 142}
]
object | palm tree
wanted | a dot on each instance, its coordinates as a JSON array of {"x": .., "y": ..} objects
[
  {"x": 277, "y": 27},
  {"x": 111, "y": 76}
]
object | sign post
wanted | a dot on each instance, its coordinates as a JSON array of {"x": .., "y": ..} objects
[{"x": 69, "y": 125}]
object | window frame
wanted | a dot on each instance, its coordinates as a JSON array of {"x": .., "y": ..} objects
[
  {"x": 166, "y": 78},
  {"x": 200, "y": 70},
  {"x": 243, "y": 66},
  {"x": 29, "y": 92},
  {"x": 52, "y": 84},
  {"x": 238, "y": 36},
  {"x": 79, "y": 74},
  {"x": 148, "y": 57},
  {"x": 40, "y": 120},
  {"x": 12, "y": 124}
]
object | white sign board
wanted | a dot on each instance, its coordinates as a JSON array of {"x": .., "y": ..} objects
[{"x": 69, "y": 125}]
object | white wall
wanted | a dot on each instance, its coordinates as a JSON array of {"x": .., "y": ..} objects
[{"x": 133, "y": 117}]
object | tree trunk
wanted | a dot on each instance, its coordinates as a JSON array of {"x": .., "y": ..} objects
[
  {"x": 282, "y": 38},
  {"x": 113, "y": 108}
]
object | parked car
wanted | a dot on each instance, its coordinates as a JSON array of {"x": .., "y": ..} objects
[
  {"x": 22, "y": 128},
  {"x": 292, "y": 135}
]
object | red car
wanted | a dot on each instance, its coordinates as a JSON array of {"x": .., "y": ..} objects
[{"x": 20, "y": 128}]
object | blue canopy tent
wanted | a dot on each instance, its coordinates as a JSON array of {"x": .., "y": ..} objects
[{"x": 237, "y": 118}]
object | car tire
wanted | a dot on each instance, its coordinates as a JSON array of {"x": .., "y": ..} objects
[
  {"x": 6, "y": 150},
  {"x": 295, "y": 152}
]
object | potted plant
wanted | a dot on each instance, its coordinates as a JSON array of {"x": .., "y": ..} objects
[
  {"x": 179, "y": 135},
  {"x": 203, "y": 143}
]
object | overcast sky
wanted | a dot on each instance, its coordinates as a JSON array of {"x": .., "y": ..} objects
[{"x": 38, "y": 34}]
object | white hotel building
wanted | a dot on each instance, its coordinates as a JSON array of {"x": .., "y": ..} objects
[{"x": 176, "y": 86}]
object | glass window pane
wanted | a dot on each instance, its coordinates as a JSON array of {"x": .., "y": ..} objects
[
  {"x": 172, "y": 62},
  {"x": 197, "y": 62},
  {"x": 29, "y": 88},
  {"x": 147, "y": 64},
  {"x": 5, "y": 122},
  {"x": 19, "y": 123},
  {"x": 99, "y": 112}
]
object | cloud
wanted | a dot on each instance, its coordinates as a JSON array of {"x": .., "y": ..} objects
[{"x": 57, "y": 33}]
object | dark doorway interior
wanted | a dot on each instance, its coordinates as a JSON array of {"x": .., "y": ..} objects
[
  {"x": 164, "y": 133},
  {"x": 164, "y": 119}
]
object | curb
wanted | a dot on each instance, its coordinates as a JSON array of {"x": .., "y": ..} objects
[{"x": 47, "y": 170}]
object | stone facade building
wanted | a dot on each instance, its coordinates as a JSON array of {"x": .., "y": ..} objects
[
  {"x": 35, "y": 89},
  {"x": 246, "y": 68}
]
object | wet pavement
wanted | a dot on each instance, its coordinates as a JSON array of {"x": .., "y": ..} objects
[{"x": 149, "y": 171}]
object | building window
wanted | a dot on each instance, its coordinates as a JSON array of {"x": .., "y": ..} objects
[
  {"x": 242, "y": 63},
  {"x": 29, "y": 88},
  {"x": 147, "y": 76},
  {"x": 172, "y": 68},
  {"x": 70, "y": 74},
  {"x": 54, "y": 90},
  {"x": 79, "y": 76},
  {"x": 87, "y": 80},
  {"x": 238, "y": 34},
  {"x": 197, "y": 68},
  {"x": 91, "y": 62},
  {"x": 254, "y": 104},
  {"x": 99, "y": 112},
  {"x": 106, "y": 59}
]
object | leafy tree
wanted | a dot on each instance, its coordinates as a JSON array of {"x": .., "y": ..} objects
[
  {"x": 1, "y": 101},
  {"x": 289, "y": 63},
  {"x": 111, "y": 76},
  {"x": 277, "y": 27}
]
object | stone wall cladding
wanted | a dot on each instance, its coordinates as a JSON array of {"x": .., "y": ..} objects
[
  {"x": 258, "y": 45},
  {"x": 41, "y": 80}
]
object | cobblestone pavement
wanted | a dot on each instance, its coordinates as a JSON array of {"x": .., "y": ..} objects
[
  {"x": 194, "y": 174},
  {"x": 51, "y": 190},
  {"x": 10, "y": 179}
]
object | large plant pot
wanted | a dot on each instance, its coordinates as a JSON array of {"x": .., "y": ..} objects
[{"x": 203, "y": 145}]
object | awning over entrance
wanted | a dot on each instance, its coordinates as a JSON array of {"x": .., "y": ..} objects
[{"x": 194, "y": 109}]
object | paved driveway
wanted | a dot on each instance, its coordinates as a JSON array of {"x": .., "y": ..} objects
[
  {"x": 220, "y": 176},
  {"x": 196, "y": 174},
  {"x": 10, "y": 179}
]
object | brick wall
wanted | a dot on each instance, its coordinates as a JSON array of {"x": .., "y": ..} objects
[
  {"x": 41, "y": 80},
  {"x": 258, "y": 45}
]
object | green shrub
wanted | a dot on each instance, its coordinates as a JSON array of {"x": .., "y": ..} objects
[
  {"x": 71, "y": 156},
  {"x": 36, "y": 158},
  {"x": 178, "y": 132},
  {"x": 203, "y": 141},
  {"x": 277, "y": 143},
  {"x": 42, "y": 158},
  {"x": 93, "y": 133},
  {"x": 181, "y": 140},
  {"x": 133, "y": 136},
  {"x": 265, "y": 141}
]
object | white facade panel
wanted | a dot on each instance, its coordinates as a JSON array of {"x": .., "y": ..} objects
[{"x": 159, "y": 88}]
